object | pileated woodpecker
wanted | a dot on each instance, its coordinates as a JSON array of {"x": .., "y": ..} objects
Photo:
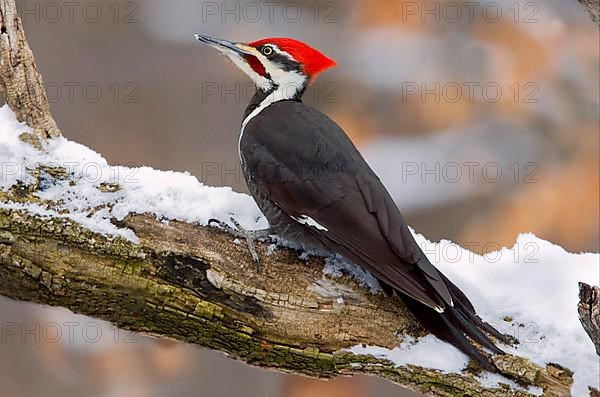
[{"x": 317, "y": 191}]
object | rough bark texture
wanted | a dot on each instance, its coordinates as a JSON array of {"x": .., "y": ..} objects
[
  {"x": 589, "y": 312},
  {"x": 194, "y": 284},
  {"x": 21, "y": 85},
  {"x": 592, "y": 7}
]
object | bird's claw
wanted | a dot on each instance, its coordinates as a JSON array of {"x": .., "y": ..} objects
[
  {"x": 249, "y": 241},
  {"x": 240, "y": 232},
  {"x": 225, "y": 226}
]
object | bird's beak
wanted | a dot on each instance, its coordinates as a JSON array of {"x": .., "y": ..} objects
[{"x": 225, "y": 45}]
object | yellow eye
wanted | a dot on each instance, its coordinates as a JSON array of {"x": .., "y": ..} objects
[{"x": 267, "y": 51}]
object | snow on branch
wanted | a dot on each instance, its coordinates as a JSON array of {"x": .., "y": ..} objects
[{"x": 131, "y": 246}]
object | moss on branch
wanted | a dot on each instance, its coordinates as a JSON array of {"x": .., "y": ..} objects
[{"x": 196, "y": 285}]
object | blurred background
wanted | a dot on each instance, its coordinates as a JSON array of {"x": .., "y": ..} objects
[{"x": 482, "y": 118}]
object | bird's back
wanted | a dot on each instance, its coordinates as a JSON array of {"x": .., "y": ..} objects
[
  {"x": 300, "y": 164},
  {"x": 270, "y": 128},
  {"x": 316, "y": 190}
]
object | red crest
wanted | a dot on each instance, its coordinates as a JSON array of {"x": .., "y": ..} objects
[{"x": 313, "y": 61}]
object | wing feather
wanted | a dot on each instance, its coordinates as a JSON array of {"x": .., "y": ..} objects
[{"x": 308, "y": 167}]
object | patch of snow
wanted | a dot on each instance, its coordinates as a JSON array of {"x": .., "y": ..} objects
[
  {"x": 336, "y": 266},
  {"x": 96, "y": 224},
  {"x": 271, "y": 249},
  {"x": 328, "y": 288},
  {"x": 489, "y": 379},
  {"x": 535, "y": 284},
  {"x": 166, "y": 194},
  {"x": 428, "y": 352},
  {"x": 304, "y": 256}
]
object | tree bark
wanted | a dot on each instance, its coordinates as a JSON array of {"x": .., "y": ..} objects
[
  {"x": 194, "y": 284},
  {"x": 21, "y": 85},
  {"x": 589, "y": 312},
  {"x": 592, "y": 8}
]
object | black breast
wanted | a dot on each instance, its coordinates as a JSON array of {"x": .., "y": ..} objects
[{"x": 295, "y": 132}]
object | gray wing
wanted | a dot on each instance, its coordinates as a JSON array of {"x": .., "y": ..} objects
[{"x": 310, "y": 169}]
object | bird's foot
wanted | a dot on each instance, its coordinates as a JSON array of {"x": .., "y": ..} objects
[{"x": 249, "y": 235}]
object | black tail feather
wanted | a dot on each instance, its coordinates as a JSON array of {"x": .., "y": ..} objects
[
  {"x": 457, "y": 323},
  {"x": 471, "y": 329},
  {"x": 458, "y": 339},
  {"x": 462, "y": 303}
]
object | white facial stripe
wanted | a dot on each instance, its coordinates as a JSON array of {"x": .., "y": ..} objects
[
  {"x": 288, "y": 85},
  {"x": 259, "y": 80},
  {"x": 280, "y": 51},
  {"x": 289, "y": 82}
]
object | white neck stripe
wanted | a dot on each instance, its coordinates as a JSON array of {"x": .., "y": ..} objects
[
  {"x": 286, "y": 90},
  {"x": 265, "y": 102}
]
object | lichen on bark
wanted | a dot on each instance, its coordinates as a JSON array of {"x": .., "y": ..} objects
[{"x": 196, "y": 285}]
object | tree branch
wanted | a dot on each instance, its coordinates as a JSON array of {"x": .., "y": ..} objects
[{"x": 194, "y": 284}]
